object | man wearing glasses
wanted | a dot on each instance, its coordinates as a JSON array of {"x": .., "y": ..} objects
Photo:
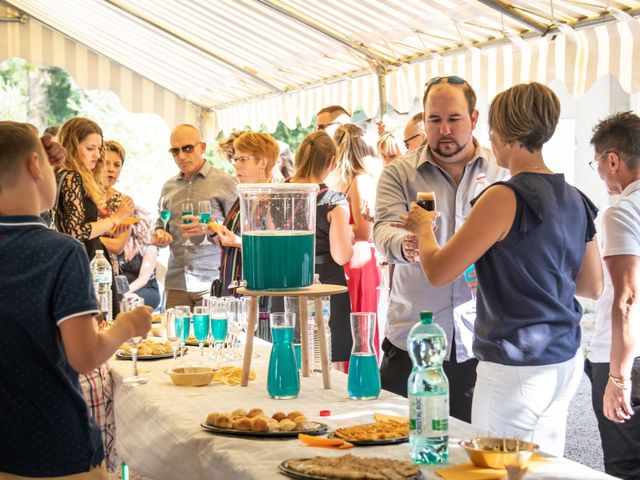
[
  {"x": 447, "y": 165},
  {"x": 191, "y": 269},
  {"x": 331, "y": 117},
  {"x": 613, "y": 363},
  {"x": 414, "y": 134}
]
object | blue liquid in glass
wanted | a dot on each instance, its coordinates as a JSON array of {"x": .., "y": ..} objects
[
  {"x": 186, "y": 321},
  {"x": 204, "y": 217},
  {"x": 298, "y": 349},
  {"x": 364, "y": 376},
  {"x": 219, "y": 329},
  {"x": 186, "y": 220},
  {"x": 178, "y": 324},
  {"x": 201, "y": 327},
  {"x": 165, "y": 215},
  {"x": 283, "y": 380}
]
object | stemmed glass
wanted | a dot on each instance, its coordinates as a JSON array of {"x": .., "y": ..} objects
[
  {"x": 234, "y": 320},
  {"x": 201, "y": 327},
  {"x": 187, "y": 209},
  {"x": 173, "y": 332},
  {"x": 204, "y": 212},
  {"x": 128, "y": 304},
  {"x": 165, "y": 210},
  {"x": 218, "y": 315},
  {"x": 183, "y": 315}
]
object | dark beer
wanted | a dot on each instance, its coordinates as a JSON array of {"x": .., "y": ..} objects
[{"x": 427, "y": 200}]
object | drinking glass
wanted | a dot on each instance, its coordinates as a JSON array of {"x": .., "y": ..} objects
[
  {"x": 183, "y": 315},
  {"x": 187, "y": 209},
  {"x": 364, "y": 377},
  {"x": 219, "y": 325},
  {"x": 234, "y": 320},
  {"x": 173, "y": 332},
  {"x": 204, "y": 212},
  {"x": 130, "y": 302},
  {"x": 283, "y": 379},
  {"x": 165, "y": 210},
  {"x": 201, "y": 327}
]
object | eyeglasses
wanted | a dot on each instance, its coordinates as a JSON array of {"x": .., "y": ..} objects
[
  {"x": 175, "y": 151},
  {"x": 594, "y": 163},
  {"x": 407, "y": 141},
  {"x": 453, "y": 79},
  {"x": 324, "y": 126},
  {"x": 242, "y": 159}
]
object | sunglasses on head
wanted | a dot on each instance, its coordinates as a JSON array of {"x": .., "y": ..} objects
[
  {"x": 452, "y": 79},
  {"x": 175, "y": 151}
]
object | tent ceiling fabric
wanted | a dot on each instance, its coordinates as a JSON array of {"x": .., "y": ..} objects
[{"x": 251, "y": 62}]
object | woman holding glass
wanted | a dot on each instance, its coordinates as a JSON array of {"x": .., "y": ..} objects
[
  {"x": 315, "y": 159},
  {"x": 532, "y": 240}
]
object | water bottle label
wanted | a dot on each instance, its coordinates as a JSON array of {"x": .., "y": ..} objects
[
  {"x": 103, "y": 277},
  {"x": 429, "y": 415}
]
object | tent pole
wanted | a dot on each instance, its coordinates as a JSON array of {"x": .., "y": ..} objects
[{"x": 382, "y": 91}]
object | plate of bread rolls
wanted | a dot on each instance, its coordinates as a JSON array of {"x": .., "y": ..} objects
[{"x": 255, "y": 423}]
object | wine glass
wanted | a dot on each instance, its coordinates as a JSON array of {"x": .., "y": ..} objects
[
  {"x": 187, "y": 209},
  {"x": 183, "y": 315},
  {"x": 234, "y": 320},
  {"x": 129, "y": 302},
  {"x": 218, "y": 316},
  {"x": 204, "y": 212},
  {"x": 201, "y": 327},
  {"x": 173, "y": 332},
  {"x": 165, "y": 210}
]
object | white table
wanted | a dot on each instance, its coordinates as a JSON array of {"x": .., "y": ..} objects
[{"x": 159, "y": 433}]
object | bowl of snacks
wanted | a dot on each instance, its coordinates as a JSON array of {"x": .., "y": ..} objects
[
  {"x": 495, "y": 452},
  {"x": 191, "y": 376}
]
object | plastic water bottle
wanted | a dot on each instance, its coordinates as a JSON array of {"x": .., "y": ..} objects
[
  {"x": 101, "y": 273},
  {"x": 428, "y": 393}
]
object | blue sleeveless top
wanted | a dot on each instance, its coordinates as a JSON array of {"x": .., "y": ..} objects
[{"x": 527, "y": 314}]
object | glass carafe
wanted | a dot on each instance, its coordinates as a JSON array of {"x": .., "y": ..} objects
[
  {"x": 364, "y": 376},
  {"x": 278, "y": 234},
  {"x": 283, "y": 380}
]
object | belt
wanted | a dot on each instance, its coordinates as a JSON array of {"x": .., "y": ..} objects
[{"x": 324, "y": 258}]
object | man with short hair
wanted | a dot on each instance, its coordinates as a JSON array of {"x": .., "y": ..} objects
[
  {"x": 414, "y": 133},
  {"x": 191, "y": 269},
  {"x": 448, "y": 166},
  {"x": 613, "y": 363},
  {"x": 331, "y": 117}
]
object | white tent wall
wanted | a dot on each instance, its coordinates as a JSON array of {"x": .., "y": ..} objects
[{"x": 42, "y": 46}]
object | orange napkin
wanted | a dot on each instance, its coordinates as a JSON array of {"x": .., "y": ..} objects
[
  {"x": 130, "y": 221},
  {"x": 323, "y": 442},
  {"x": 468, "y": 471},
  {"x": 216, "y": 227}
]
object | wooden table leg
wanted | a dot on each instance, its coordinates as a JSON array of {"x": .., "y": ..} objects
[
  {"x": 248, "y": 346},
  {"x": 322, "y": 340},
  {"x": 304, "y": 335}
]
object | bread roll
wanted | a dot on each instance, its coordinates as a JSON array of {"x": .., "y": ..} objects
[
  {"x": 295, "y": 414},
  {"x": 224, "y": 421},
  {"x": 259, "y": 424},
  {"x": 242, "y": 423},
  {"x": 255, "y": 412},
  {"x": 279, "y": 416},
  {"x": 212, "y": 417},
  {"x": 239, "y": 412},
  {"x": 287, "y": 425}
]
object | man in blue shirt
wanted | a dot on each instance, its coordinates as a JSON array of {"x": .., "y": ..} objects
[{"x": 48, "y": 332}]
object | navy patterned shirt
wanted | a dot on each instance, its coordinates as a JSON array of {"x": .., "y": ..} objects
[{"x": 45, "y": 423}]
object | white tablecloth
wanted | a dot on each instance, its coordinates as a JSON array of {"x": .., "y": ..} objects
[{"x": 159, "y": 433}]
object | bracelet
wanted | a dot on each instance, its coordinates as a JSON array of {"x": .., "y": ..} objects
[{"x": 618, "y": 382}]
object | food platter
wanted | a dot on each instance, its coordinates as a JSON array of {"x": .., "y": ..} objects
[
  {"x": 370, "y": 443},
  {"x": 285, "y": 469},
  {"x": 143, "y": 358},
  {"x": 378, "y": 433},
  {"x": 317, "y": 428}
]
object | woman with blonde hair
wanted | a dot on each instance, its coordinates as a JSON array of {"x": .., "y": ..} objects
[
  {"x": 356, "y": 174},
  {"x": 315, "y": 160},
  {"x": 81, "y": 195},
  {"x": 388, "y": 147},
  {"x": 532, "y": 240}
]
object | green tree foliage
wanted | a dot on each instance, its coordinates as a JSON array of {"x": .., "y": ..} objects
[{"x": 63, "y": 96}]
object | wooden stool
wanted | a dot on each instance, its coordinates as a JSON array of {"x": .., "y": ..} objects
[{"x": 316, "y": 291}]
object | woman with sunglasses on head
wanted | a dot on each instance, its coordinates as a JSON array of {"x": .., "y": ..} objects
[
  {"x": 315, "y": 159},
  {"x": 81, "y": 196},
  {"x": 532, "y": 239},
  {"x": 356, "y": 175}
]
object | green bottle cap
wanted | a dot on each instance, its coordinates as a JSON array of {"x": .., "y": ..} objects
[{"x": 426, "y": 317}]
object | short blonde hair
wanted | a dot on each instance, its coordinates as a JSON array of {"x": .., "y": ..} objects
[
  {"x": 388, "y": 143},
  {"x": 115, "y": 147},
  {"x": 527, "y": 113},
  {"x": 258, "y": 145}
]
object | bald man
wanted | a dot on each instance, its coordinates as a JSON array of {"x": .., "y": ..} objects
[
  {"x": 331, "y": 117},
  {"x": 191, "y": 269},
  {"x": 414, "y": 133}
]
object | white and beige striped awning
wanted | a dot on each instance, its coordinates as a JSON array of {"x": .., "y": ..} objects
[{"x": 232, "y": 63}]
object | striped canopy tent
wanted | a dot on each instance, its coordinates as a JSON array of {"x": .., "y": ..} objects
[{"x": 227, "y": 64}]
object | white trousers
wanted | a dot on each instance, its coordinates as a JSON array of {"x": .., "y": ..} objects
[{"x": 530, "y": 403}]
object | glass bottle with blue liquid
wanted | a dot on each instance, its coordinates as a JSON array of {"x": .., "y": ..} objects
[
  {"x": 364, "y": 377},
  {"x": 283, "y": 380}
]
